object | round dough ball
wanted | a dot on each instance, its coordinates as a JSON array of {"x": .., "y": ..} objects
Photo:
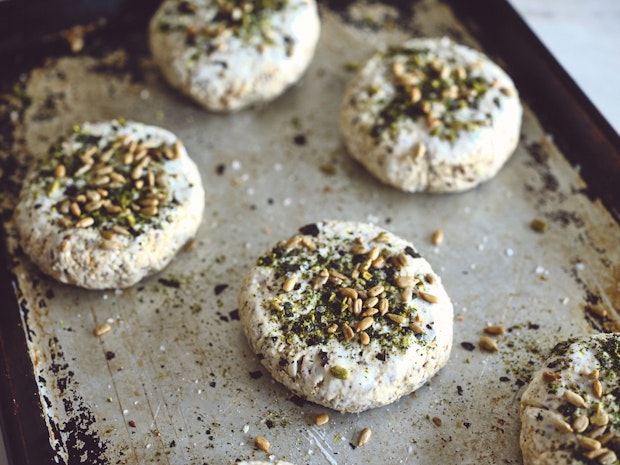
[
  {"x": 347, "y": 315},
  {"x": 109, "y": 204},
  {"x": 570, "y": 411},
  {"x": 227, "y": 55},
  {"x": 431, "y": 115}
]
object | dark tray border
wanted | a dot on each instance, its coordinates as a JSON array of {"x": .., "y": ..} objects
[{"x": 578, "y": 128}]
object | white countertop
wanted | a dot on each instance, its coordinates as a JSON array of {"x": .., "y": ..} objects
[{"x": 584, "y": 37}]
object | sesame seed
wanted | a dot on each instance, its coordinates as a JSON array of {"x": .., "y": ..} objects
[
  {"x": 107, "y": 155},
  {"x": 102, "y": 329},
  {"x": 137, "y": 172},
  {"x": 292, "y": 242},
  {"x": 419, "y": 150},
  {"x": 376, "y": 290},
  {"x": 364, "y": 338},
  {"x": 112, "y": 245},
  {"x": 580, "y": 424},
  {"x": 416, "y": 328},
  {"x": 348, "y": 292},
  {"x": 398, "y": 68},
  {"x": 415, "y": 94},
  {"x": 347, "y": 332},
  {"x": 383, "y": 306},
  {"x": 308, "y": 243},
  {"x": 321, "y": 419},
  {"x": 335, "y": 274},
  {"x": 81, "y": 198},
  {"x": 600, "y": 418},
  {"x": 399, "y": 319},
  {"x": 357, "y": 306},
  {"x": 593, "y": 454},
  {"x": 149, "y": 202},
  {"x": 406, "y": 281},
  {"x": 85, "y": 222},
  {"x": 406, "y": 295},
  {"x": 495, "y": 329},
  {"x": 364, "y": 437},
  {"x": 379, "y": 262},
  {"x": 364, "y": 324},
  {"x": 60, "y": 171},
  {"x": 597, "y": 387},
  {"x": 374, "y": 253},
  {"x": 75, "y": 209},
  {"x": 607, "y": 458},
  {"x": 104, "y": 170},
  {"x": 562, "y": 426},
  {"x": 107, "y": 234},
  {"x": 429, "y": 297},
  {"x": 574, "y": 399},
  {"x": 382, "y": 237},
  {"x": 437, "y": 237},
  {"x": 289, "y": 284},
  {"x": 371, "y": 302},
  {"x": 117, "y": 177},
  {"x": 93, "y": 195},
  {"x": 358, "y": 249},
  {"x": 370, "y": 312},
  {"x": 318, "y": 281},
  {"x": 93, "y": 206},
  {"x": 262, "y": 443},
  {"x": 488, "y": 344},
  {"x": 587, "y": 443},
  {"x": 82, "y": 170},
  {"x": 149, "y": 211}
]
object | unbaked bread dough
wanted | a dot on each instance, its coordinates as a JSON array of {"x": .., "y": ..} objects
[
  {"x": 431, "y": 115},
  {"x": 347, "y": 315}
]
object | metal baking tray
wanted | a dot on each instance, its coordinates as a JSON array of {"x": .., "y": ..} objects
[{"x": 175, "y": 382}]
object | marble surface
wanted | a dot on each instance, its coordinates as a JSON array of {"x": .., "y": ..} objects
[{"x": 585, "y": 38}]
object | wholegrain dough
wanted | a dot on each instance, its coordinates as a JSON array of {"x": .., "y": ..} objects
[
  {"x": 229, "y": 55},
  {"x": 109, "y": 204},
  {"x": 570, "y": 411},
  {"x": 347, "y": 315},
  {"x": 431, "y": 115}
]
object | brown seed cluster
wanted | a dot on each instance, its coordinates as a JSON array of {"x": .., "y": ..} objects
[
  {"x": 366, "y": 306},
  {"x": 435, "y": 90},
  {"x": 592, "y": 434},
  {"x": 238, "y": 18},
  {"x": 112, "y": 187}
]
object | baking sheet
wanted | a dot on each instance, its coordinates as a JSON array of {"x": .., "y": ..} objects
[{"x": 174, "y": 380}]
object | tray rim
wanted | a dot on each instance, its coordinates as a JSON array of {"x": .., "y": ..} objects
[{"x": 580, "y": 131}]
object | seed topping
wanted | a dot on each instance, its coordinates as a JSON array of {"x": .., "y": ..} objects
[
  {"x": 86, "y": 175},
  {"x": 574, "y": 399},
  {"x": 364, "y": 437},
  {"x": 343, "y": 296}
]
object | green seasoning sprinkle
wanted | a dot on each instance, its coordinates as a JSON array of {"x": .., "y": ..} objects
[
  {"x": 340, "y": 372},
  {"x": 347, "y": 291},
  {"x": 244, "y": 19},
  {"x": 431, "y": 91},
  {"x": 538, "y": 225},
  {"x": 116, "y": 186}
]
